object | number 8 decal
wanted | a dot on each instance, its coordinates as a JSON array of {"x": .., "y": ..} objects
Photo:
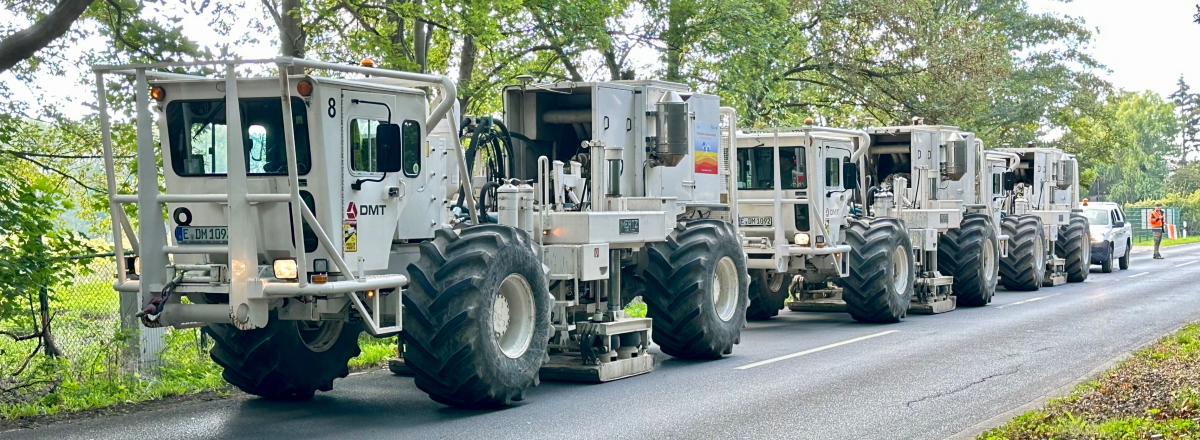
[{"x": 332, "y": 110}]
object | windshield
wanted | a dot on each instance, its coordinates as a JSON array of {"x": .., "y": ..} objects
[
  {"x": 755, "y": 164},
  {"x": 1098, "y": 217},
  {"x": 198, "y": 136}
]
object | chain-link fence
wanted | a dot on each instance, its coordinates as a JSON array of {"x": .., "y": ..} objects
[{"x": 1140, "y": 220}]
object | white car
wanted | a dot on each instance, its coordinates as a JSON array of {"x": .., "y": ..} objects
[{"x": 1112, "y": 235}]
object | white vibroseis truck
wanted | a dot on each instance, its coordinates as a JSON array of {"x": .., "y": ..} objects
[
  {"x": 305, "y": 209},
  {"x": 926, "y": 231},
  {"x": 1050, "y": 242}
]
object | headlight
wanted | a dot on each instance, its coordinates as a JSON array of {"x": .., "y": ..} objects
[
  {"x": 801, "y": 238},
  {"x": 1097, "y": 238},
  {"x": 133, "y": 265},
  {"x": 285, "y": 268}
]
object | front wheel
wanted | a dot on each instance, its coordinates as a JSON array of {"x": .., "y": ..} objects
[
  {"x": 1106, "y": 266},
  {"x": 880, "y": 285},
  {"x": 768, "y": 291},
  {"x": 696, "y": 290},
  {"x": 1025, "y": 266},
  {"x": 969, "y": 254},
  {"x": 1124, "y": 261},
  {"x": 477, "y": 316},
  {"x": 285, "y": 359},
  {"x": 1075, "y": 246}
]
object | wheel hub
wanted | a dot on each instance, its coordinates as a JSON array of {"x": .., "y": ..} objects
[
  {"x": 989, "y": 260},
  {"x": 900, "y": 270},
  {"x": 319, "y": 336},
  {"x": 725, "y": 288},
  {"x": 513, "y": 316}
]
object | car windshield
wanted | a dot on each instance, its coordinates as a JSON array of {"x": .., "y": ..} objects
[
  {"x": 755, "y": 164},
  {"x": 1098, "y": 217}
]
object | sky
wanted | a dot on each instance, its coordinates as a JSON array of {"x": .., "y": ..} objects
[{"x": 1147, "y": 44}]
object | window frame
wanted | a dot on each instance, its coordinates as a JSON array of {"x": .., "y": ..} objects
[
  {"x": 833, "y": 174},
  {"x": 420, "y": 134},
  {"x": 350, "y": 143}
]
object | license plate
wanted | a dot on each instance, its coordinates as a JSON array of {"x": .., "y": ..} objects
[
  {"x": 202, "y": 234},
  {"x": 756, "y": 221}
]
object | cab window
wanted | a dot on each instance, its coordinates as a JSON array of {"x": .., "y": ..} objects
[
  {"x": 755, "y": 168},
  {"x": 362, "y": 145},
  {"x": 833, "y": 172},
  {"x": 410, "y": 148}
]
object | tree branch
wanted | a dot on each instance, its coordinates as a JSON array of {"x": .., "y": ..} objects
[
  {"x": 24, "y": 43},
  {"x": 51, "y": 169}
]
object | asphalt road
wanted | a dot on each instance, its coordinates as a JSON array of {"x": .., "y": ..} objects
[{"x": 928, "y": 377}]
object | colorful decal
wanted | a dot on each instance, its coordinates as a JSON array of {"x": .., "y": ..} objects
[
  {"x": 707, "y": 143},
  {"x": 351, "y": 211},
  {"x": 350, "y": 235}
]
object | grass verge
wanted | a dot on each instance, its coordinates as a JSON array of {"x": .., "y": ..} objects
[
  {"x": 1155, "y": 394},
  {"x": 1170, "y": 241}
]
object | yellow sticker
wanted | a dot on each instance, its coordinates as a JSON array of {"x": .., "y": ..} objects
[{"x": 350, "y": 235}]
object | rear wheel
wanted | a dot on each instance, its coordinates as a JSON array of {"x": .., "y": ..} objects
[
  {"x": 880, "y": 285},
  {"x": 696, "y": 290},
  {"x": 1124, "y": 261},
  {"x": 768, "y": 291},
  {"x": 1025, "y": 266},
  {"x": 477, "y": 316},
  {"x": 969, "y": 254},
  {"x": 285, "y": 359},
  {"x": 1075, "y": 246}
]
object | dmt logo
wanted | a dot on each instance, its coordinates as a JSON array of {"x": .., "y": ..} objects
[{"x": 353, "y": 211}]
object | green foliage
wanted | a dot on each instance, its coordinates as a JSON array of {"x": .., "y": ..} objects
[
  {"x": 636, "y": 308},
  {"x": 375, "y": 351},
  {"x": 1134, "y": 133},
  {"x": 1189, "y": 205},
  {"x": 33, "y": 240}
]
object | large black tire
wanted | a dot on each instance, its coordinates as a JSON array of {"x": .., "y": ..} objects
[
  {"x": 1075, "y": 246},
  {"x": 970, "y": 254},
  {"x": 1025, "y": 266},
  {"x": 1123, "y": 262},
  {"x": 696, "y": 290},
  {"x": 768, "y": 291},
  {"x": 276, "y": 362},
  {"x": 880, "y": 285},
  {"x": 452, "y": 344}
]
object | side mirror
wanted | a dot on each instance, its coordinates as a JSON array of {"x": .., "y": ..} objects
[
  {"x": 849, "y": 175},
  {"x": 1118, "y": 224},
  {"x": 387, "y": 148},
  {"x": 1010, "y": 180}
]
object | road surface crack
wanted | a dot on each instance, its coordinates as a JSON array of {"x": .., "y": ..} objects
[{"x": 962, "y": 388}]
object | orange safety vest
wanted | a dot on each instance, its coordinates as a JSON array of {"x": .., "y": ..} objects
[{"x": 1156, "y": 219}]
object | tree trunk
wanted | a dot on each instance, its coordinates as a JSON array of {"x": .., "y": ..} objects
[
  {"x": 673, "y": 39},
  {"x": 466, "y": 67},
  {"x": 420, "y": 42},
  {"x": 24, "y": 43},
  {"x": 291, "y": 34},
  {"x": 610, "y": 61}
]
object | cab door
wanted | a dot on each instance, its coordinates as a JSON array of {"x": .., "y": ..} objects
[{"x": 370, "y": 198}]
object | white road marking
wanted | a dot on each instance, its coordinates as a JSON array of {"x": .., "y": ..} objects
[
  {"x": 814, "y": 350},
  {"x": 1138, "y": 275},
  {"x": 1039, "y": 298},
  {"x": 1185, "y": 264}
]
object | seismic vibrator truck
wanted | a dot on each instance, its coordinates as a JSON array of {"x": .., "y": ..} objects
[{"x": 302, "y": 210}]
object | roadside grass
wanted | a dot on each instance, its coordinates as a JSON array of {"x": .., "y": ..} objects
[
  {"x": 636, "y": 308},
  {"x": 1153, "y": 394},
  {"x": 97, "y": 370},
  {"x": 1169, "y": 241}
]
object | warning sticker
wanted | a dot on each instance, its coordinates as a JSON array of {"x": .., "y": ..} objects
[{"x": 350, "y": 235}]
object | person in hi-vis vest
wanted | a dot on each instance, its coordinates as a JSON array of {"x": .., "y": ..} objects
[{"x": 1158, "y": 225}]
